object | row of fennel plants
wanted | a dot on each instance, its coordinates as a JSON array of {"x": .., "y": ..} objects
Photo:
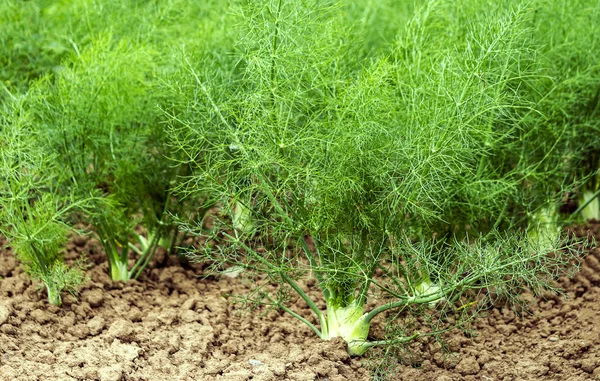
[{"x": 399, "y": 166}]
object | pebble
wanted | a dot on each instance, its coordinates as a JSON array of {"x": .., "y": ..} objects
[{"x": 255, "y": 362}]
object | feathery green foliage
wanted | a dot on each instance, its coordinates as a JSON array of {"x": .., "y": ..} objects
[
  {"x": 101, "y": 116},
  {"x": 414, "y": 153},
  {"x": 569, "y": 92},
  {"x": 33, "y": 216},
  {"x": 422, "y": 159},
  {"x": 30, "y": 45}
]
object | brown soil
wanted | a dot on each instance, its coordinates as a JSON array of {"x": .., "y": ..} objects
[{"x": 173, "y": 325}]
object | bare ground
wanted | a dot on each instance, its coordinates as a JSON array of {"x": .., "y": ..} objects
[{"x": 173, "y": 325}]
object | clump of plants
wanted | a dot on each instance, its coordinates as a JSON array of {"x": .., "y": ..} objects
[
  {"x": 99, "y": 115},
  {"x": 33, "y": 217},
  {"x": 404, "y": 175},
  {"x": 101, "y": 118}
]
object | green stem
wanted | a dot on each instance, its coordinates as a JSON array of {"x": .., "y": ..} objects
[
  {"x": 286, "y": 278},
  {"x": 148, "y": 249},
  {"x": 175, "y": 232},
  {"x": 585, "y": 204},
  {"x": 135, "y": 248},
  {"x": 364, "y": 289},
  {"x": 118, "y": 271},
  {"x": 117, "y": 262},
  {"x": 53, "y": 295},
  {"x": 273, "y": 51},
  {"x": 405, "y": 301},
  {"x": 44, "y": 267},
  {"x": 143, "y": 261},
  {"x": 274, "y": 201},
  {"x": 305, "y": 297},
  {"x": 358, "y": 347},
  {"x": 362, "y": 294},
  {"x": 360, "y": 253},
  {"x": 294, "y": 314},
  {"x": 394, "y": 279}
]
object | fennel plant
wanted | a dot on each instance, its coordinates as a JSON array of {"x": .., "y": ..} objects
[
  {"x": 33, "y": 217},
  {"x": 345, "y": 162},
  {"x": 96, "y": 96},
  {"x": 101, "y": 117}
]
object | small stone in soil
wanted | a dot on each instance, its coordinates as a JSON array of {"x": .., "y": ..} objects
[{"x": 255, "y": 362}]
